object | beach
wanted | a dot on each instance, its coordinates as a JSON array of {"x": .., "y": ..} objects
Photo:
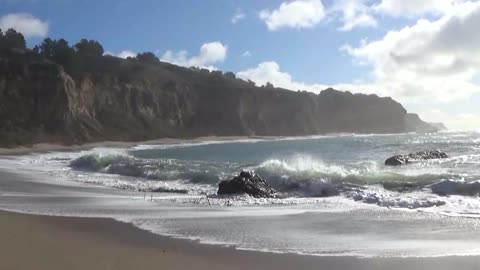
[
  {"x": 73, "y": 223},
  {"x": 48, "y": 147},
  {"x": 41, "y": 242}
]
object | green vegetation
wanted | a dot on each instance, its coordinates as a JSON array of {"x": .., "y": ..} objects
[
  {"x": 87, "y": 56},
  {"x": 147, "y": 57},
  {"x": 12, "y": 39},
  {"x": 89, "y": 48}
]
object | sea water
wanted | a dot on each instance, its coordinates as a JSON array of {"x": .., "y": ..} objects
[{"x": 336, "y": 196}]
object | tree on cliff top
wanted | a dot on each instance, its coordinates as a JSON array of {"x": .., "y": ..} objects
[
  {"x": 147, "y": 57},
  {"x": 12, "y": 39},
  {"x": 89, "y": 47},
  {"x": 58, "y": 51}
]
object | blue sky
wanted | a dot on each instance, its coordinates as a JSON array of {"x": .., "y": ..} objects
[
  {"x": 159, "y": 26},
  {"x": 386, "y": 47}
]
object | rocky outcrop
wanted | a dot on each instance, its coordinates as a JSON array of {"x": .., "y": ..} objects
[
  {"x": 108, "y": 98},
  {"x": 438, "y": 126},
  {"x": 413, "y": 123},
  {"x": 398, "y": 160},
  {"x": 247, "y": 182}
]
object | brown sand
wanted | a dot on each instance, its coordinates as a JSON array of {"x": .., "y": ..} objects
[{"x": 40, "y": 242}]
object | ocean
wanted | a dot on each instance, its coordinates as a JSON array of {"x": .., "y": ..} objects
[{"x": 335, "y": 195}]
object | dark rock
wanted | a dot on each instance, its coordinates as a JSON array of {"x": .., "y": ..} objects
[
  {"x": 247, "y": 182},
  {"x": 166, "y": 190},
  {"x": 398, "y": 160}
]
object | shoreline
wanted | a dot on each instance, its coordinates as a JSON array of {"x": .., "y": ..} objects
[
  {"x": 46, "y": 147},
  {"x": 31, "y": 241},
  {"x": 101, "y": 243}
]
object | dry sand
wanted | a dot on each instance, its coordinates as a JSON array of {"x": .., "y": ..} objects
[{"x": 41, "y": 242}]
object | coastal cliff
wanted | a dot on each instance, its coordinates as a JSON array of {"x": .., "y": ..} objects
[{"x": 108, "y": 98}]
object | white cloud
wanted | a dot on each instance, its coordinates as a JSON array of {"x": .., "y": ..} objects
[
  {"x": 126, "y": 54},
  {"x": 269, "y": 72},
  {"x": 410, "y": 8},
  {"x": 432, "y": 60},
  {"x": 238, "y": 16},
  {"x": 453, "y": 121},
  {"x": 123, "y": 54},
  {"x": 246, "y": 54},
  {"x": 272, "y": 73},
  {"x": 425, "y": 65},
  {"x": 353, "y": 14},
  {"x": 210, "y": 53},
  {"x": 295, "y": 14},
  {"x": 24, "y": 23}
]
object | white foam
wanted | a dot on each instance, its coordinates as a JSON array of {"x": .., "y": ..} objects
[
  {"x": 190, "y": 144},
  {"x": 194, "y": 216}
]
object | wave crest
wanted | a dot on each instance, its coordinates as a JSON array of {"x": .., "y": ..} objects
[
  {"x": 162, "y": 169},
  {"x": 452, "y": 187},
  {"x": 301, "y": 176}
]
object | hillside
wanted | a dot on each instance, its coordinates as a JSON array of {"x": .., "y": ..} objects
[{"x": 96, "y": 98}]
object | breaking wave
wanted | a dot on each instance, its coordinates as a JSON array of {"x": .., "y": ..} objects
[
  {"x": 162, "y": 169},
  {"x": 317, "y": 178},
  {"x": 298, "y": 177},
  {"x": 456, "y": 187}
]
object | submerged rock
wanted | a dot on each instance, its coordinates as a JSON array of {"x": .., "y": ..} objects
[
  {"x": 398, "y": 160},
  {"x": 247, "y": 182}
]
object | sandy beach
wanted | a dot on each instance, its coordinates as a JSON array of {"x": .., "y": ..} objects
[
  {"x": 47, "y": 242},
  {"x": 41, "y": 242}
]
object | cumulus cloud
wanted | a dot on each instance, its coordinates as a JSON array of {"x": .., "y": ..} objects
[
  {"x": 295, "y": 14},
  {"x": 430, "y": 60},
  {"x": 238, "y": 16},
  {"x": 411, "y": 8},
  {"x": 353, "y": 14},
  {"x": 24, "y": 23},
  {"x": 123, "y": 54},
  {"x": 270, "y": 72},
  {"x": 423, "y": 65},
  {"x": 210, "y": 53}
]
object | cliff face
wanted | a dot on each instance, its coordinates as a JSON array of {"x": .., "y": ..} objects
[
  {"x": 125, "y": 100},
  {"x": 413, "y": 123}
]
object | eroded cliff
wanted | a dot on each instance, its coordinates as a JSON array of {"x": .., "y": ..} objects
[{"x": 115, "y": 99}]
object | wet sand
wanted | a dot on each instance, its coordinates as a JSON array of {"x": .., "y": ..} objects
[
  {"x": 42, "y": 242},
  {"x": 47, "y": 147}
]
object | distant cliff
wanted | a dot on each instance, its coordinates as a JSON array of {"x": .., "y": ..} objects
[
  {"x": 415, "y": 124},
  {"x": 108, "y": 98}
]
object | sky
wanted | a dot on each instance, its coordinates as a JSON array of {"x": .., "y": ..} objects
[{"x": 423, "y": 53}]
